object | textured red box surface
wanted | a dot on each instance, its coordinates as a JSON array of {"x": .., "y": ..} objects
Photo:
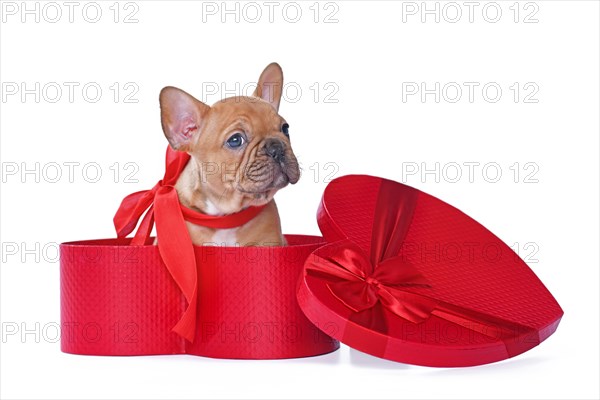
[{"x": 118, "y": 299}]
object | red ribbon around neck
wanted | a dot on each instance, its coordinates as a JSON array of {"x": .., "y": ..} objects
[
  {"x": 385, "y": 280},
  {"x": 174, "y": 242}
]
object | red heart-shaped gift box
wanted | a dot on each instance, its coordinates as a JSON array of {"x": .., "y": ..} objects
[{"x": 399, "y": 274}]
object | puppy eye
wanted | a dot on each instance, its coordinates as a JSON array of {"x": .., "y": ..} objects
[
  {"x": 285, "y": 129},
  {"x": 236, "y": 140}
]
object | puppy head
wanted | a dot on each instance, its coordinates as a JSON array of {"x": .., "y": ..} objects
[{"x": 240, "y": 145}]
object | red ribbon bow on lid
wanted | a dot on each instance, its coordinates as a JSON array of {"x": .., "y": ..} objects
[
  {"x": 383, "y": 286},
  {"x": 355, "y": 282},
  {"x": 174, "y": 242}
]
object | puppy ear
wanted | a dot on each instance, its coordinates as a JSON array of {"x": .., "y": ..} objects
[
  {"x": 181, "y": 116},
  {"x": 270, "y": 85}
]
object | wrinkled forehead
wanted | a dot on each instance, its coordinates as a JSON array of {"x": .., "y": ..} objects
[{"x": 245, "y": 113}]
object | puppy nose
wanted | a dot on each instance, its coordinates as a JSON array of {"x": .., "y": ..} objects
[{"x": 275, "y": 149}]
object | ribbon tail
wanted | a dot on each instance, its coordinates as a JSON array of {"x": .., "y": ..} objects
[
  {"x": 177, "y": 251},
  {"x": 145, "y": 229},
  {"x": 517, "y": 338},
  {"x": 409, "y": 306},
  {"x": 481, "y": 327},
  {"x": 186, "y": 327}
]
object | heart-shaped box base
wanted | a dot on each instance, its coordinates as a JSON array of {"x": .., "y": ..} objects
[{"x": 118, "y": 299}]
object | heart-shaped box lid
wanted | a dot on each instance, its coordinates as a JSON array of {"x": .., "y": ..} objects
[{"x": 410, "y": 278}]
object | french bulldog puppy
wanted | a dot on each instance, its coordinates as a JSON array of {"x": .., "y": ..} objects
[{"x": 240, "y": 157}]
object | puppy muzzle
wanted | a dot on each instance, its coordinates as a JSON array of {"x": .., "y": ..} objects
[{"x": 286, "y": 163}]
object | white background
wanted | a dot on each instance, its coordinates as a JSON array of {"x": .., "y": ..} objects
[{"x": 367, "y": 57}]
